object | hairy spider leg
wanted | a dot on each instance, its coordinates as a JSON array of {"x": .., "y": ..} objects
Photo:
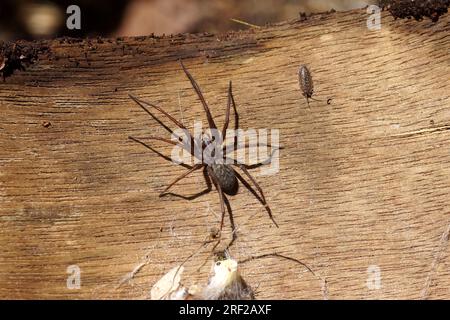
[
  {"x": 142, "y": 104},
  {"x": 157, "y": 152},
  {"x": 211, "y": 122},
  {"x": 221, "y": 195},
  {"x": 261, "y": 194},
  {"x": 185, "y": 174},
  {"x": 227, "y": 114}
]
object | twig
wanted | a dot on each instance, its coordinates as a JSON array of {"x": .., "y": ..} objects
[
  {"x": 130, "y": 275},
  {"x": 245, "y": 23}
]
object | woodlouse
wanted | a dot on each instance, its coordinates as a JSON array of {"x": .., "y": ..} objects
[{"x": 306, "y": 84}]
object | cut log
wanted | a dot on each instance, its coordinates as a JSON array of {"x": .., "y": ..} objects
[{"x": 362, "y": 192}]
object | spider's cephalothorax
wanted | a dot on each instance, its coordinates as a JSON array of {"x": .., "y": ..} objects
[{"x": 223, "y": 175}]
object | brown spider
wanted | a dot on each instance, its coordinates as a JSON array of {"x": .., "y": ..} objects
[{"x": 215, "y": 168}]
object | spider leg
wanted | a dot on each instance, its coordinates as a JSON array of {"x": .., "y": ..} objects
[
  {"x": 185, "y": 174},
  {"x": 211, "y": 122},
  {"x": 164, "y": 140},
  {"x": 247, "y": 145},
  {"x": 151, "y": 114},
  {"x": 207, "y": 179},
  {"x": 248, "y": 186},
  {"x": 159, "y": 139},
  {"x": 233, "y": 226},
  {"x": 158, "y": 153},
  {"x": 223, "y": 202},
  {"x": 142, "y": 104},
  {"x": 252, "y": 180},
  {"x": 254, "y": 165},
  {"x": 221, "y": 195},
  {"x": 195, "y": 196},
  {"x": 236, "y": 127},
  {"x": 262, "y": 197},
  {"x": 236, "y": 119},
  {"x": 227, "y": 115}
]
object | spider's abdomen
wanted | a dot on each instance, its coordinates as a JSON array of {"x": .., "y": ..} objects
[{"x": 225, "y": 176}]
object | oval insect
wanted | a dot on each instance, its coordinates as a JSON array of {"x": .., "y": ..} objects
[{"x": 306, "y": 84}]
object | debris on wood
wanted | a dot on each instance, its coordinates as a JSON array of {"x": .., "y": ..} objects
[
  {"x": 225, "y": 283},
  {"x": 416, "y": 9},
  {"x": 169, "y": 286},
  {"x": 46, "y": 124},
  {"x": 16, "y": 56}
]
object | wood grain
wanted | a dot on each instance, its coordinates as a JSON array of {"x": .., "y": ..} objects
[{"x": 363, "y": 182}]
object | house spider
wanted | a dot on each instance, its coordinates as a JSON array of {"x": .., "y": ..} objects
[{"x": 216, "y": 168}]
